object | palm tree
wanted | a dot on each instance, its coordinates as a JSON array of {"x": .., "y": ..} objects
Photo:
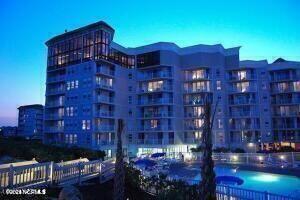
[
  {"x": 119, "y": 178},
  {"x": 208, "y": 183}
]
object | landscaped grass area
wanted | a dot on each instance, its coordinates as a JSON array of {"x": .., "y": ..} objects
[{"x": 23, "y": 149}]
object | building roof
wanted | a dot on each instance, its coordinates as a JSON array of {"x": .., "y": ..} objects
[
  {"x": 38, "y": 106},
  {"x": 76, "y": 31},
  {"x": 170, "y": 46}
]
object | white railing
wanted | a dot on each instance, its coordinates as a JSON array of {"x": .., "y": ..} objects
[{"x": 52, "y": 173}]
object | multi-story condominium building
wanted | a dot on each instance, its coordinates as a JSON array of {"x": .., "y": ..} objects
[
  {"x": 8, "y": 131},
  {"x": 159, "y": 90},
  {"x": 30, "y": 121}
]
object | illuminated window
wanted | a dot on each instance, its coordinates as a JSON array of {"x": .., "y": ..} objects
[
  {"x": 86, "y": 124},
  {"x": 154, "y": 123},
  {"x": 218, "y": 85}
]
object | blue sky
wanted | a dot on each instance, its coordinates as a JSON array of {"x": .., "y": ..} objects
[{"x": 265, "y": 29}]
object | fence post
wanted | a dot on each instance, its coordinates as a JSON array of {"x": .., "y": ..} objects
[
  {"x": 11, "y": 176},
  {"x": 227, "y": 191},
  {"x": 266, "y": 196},
  {"x": 293, "y": 159},
  {"x": 79, "y": 173},
  {"x": 247, "y": 157},
  {"x": 100, "y": 170},
  {"x": 51, "y": 172}
]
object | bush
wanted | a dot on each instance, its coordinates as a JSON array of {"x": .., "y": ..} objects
[
  {"x": 28, "y": 149},
  {"x": 221, "y": 150},
  {"x": 198, "y": 149},
  {"x": 238, "y": 150}
]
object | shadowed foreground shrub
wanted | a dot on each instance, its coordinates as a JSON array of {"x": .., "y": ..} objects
[{"x": 20, "y": 148}]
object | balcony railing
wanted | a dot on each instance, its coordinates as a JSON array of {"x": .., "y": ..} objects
[
  {"x": 242, "y": 90},
  {"x": 248, "y": 76},
  {"x": 55, "y": 91},
  {"x": 244, "y": 127},
  {"x": 161, "y": 89},
  {"x": 104, "y": 114},
  {"x": 105, "y": 142},
  {"x": 154, "y": 115},
  {"x": 243, "y": 114},
  {"x": 55, "y": 79},
  {"x": 53, "y": 116},
  {"x": 105, "y": 71},
  {"x": 54, "y": 129},
  {"x": 155, "y": 141},
  {"x": 241, "y": 102},
  {"x": 104, "y": 85},
  {"x": 158, "y": 128},
  {"x": 163, "y": 74},
  {"x": 104, "y": 99},
  {"x": 191, "y": 90},
  {"x": 155, "y": 101},
  {"x": 192, "y": 128},
  {"x": 192, "y": 141},
  {"x": 194, "y": 115},
  {"x": 108, "y": 128},
  {"x": 54, "y": 104}
]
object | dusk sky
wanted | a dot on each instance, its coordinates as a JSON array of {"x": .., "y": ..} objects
[{"x": 264, "y": 30}]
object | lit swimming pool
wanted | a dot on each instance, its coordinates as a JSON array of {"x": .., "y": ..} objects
[{"x": 260, "y": 181}]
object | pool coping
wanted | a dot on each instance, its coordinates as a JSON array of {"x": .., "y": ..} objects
[{"x": 265, "y": 169}]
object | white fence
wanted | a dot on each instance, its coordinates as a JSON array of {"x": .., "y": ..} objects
[{"x": 53, "y": 173}]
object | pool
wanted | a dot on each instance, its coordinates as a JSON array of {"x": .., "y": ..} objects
[{"x": 260, "y": 181}]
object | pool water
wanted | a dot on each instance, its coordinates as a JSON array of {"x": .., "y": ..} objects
[{"x": 260, "y": 181}]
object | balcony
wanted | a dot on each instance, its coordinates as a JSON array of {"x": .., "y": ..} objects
[
  {"x": 104, "y": 128},
  {"x": 55, "y": 91},
  {"x": 242, "y": 90},
  {"x": 192, "y": 128},
  {"x": 242, "y": 102},
  {"x": 55, "y": 79},
  {"x": 158, "y": 75},
  {"x": 243, "y": 114},
  {"x": 53, "y": 116},
  {"x": 194, "y": 102},
  {"x": 104, "y": 85},
  {"x": 105, "y": 142},
  {"x": 155, "y": 101},
  {"x": 105, "y": 71},
  {"x": 54, "y": 129},
  {"x": 240, "y": 127},
  {"x": 156, "y": 114},
  {"x": 104, "y": 99},
  {"x": 155, "y": 141},
  {"x": 158, "y": 128},
  {"x": 165, "y": 88},
  {"x": 104, "y": 114},
  {"x": 192, "y": 115},
  {"x": 196, "y": 90},
  {"x": 54, "y": 104},
  {"x": 192, "y": 141},
  {"x": 247, "y": 76}
]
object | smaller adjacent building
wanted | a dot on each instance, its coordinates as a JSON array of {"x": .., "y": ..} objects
[
  {"x": 8, "y": 131},
  {"x": 30, "y": 122}
]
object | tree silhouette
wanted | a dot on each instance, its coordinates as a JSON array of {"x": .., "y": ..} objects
[
  {"x": 119, "y": 178},
  {"x": 208, "y": 183}
]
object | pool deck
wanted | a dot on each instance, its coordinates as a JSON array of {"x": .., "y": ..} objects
[
  {"x": 266, "y": 169},
  {"x": 259, "y": 168}
]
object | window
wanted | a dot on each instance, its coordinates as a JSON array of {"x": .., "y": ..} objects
[
  {"x": 130, "y": 99},
  {"x": 130, "y": 88},
  {"x": 86, "y": 124},
  {"x": 154, "y": 123},
  {"x": 220, "y": 124},
  {"x": 218, "y": 85},
  {"x": 130, "y": 75}
]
